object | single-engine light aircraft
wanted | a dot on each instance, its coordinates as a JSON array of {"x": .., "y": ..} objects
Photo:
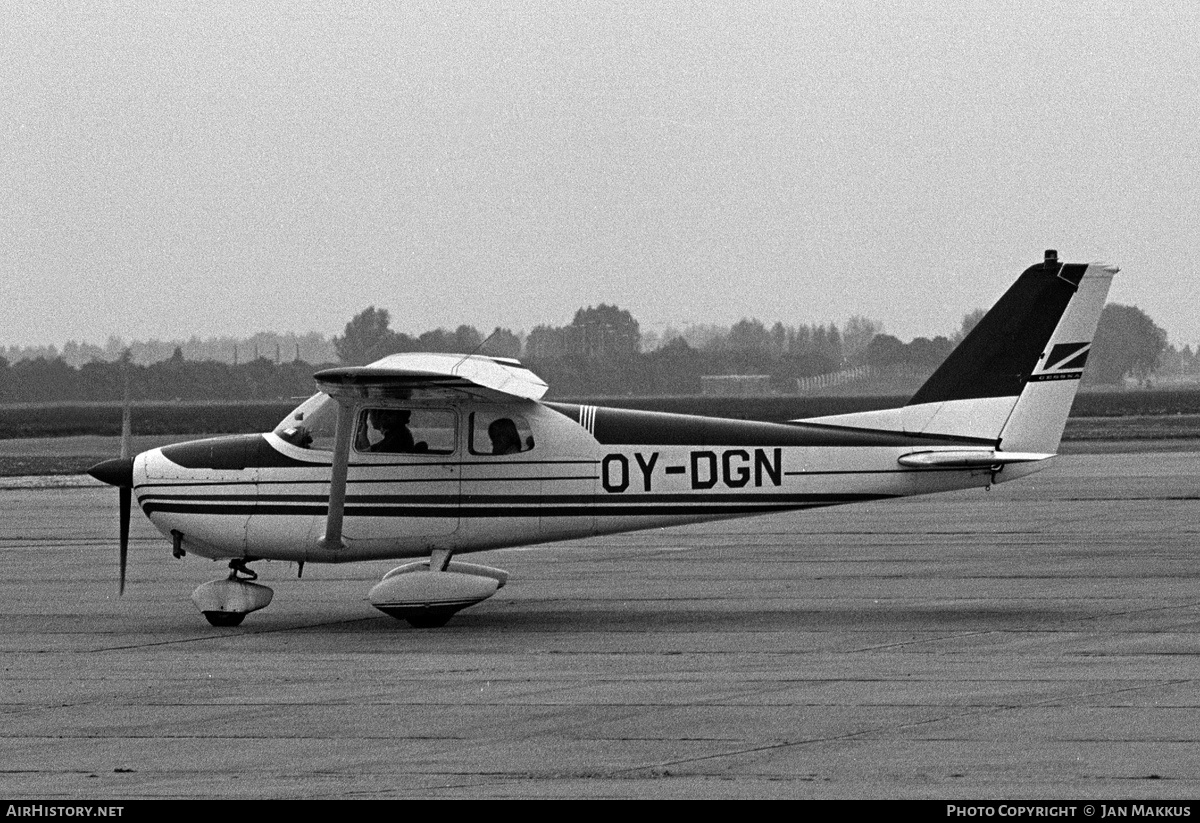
[{"x": 426, "y": 457}]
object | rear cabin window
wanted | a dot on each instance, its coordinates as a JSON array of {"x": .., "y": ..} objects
[
  {"x": 406, "y": 431},
  {"x": 500, "y": 433}
]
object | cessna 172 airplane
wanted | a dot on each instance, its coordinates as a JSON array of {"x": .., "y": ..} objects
[{"x": 429, "y": 456}]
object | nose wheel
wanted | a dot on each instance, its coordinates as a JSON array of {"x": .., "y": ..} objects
[
  {"x": 225, "y": 619},
  {"x": 225, "y": 603}
]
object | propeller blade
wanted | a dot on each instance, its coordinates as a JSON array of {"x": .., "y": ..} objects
[
  {"x": 126, "y": 493},
  {"x": 119, "y": 472}
]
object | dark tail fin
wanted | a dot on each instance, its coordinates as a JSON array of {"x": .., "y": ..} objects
[{"x": 1013, "y": 378}]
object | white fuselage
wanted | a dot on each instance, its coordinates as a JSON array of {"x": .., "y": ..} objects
[{"x": 263, "y": 497}]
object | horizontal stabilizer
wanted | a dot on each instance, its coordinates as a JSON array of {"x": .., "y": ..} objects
[{"x": 967, "y": 458}]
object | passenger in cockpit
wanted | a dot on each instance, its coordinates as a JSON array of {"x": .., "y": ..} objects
[{"x": 504, "y": 436}]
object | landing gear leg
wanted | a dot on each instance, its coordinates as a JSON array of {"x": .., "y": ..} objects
[
  {"x": 239, "y": 569},
  {"x": 227, "y": 602},
  {"x": 432, "y": 617}
]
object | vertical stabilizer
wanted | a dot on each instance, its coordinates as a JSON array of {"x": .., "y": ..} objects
[{"x": 1012, "y": 380}]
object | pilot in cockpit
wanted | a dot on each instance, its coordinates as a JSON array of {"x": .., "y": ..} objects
[{"x": 393, "y": 424}]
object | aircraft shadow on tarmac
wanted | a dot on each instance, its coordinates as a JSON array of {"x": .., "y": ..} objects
[{"x": 885, "y": 618}]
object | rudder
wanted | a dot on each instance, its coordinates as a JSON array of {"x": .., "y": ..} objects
[{"x": 1040, "y": 414}]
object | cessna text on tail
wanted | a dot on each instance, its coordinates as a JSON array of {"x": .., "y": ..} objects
[{"x": 432, "y": 456}]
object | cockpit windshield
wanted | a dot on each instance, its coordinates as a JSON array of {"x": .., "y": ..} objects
[{"x": 312, "y": 424}]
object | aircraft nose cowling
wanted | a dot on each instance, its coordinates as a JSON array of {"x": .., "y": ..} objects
[{"x": 116, "y": 472}]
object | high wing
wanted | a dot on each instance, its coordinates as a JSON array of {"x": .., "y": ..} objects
[
  {"x": 454, "y": 375},
  {"x": 492, "y": 378}
]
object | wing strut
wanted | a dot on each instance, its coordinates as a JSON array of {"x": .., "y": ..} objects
[{"x": 343, "y": 433}]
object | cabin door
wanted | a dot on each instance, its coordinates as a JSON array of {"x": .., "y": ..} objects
[{"x": 404, "y": 476}]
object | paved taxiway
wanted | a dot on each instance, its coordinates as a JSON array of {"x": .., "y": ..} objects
[{"x": 1039, "y": 640}]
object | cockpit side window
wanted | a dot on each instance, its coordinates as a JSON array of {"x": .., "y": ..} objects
[
  {"x": 406, "y": 431},
  {"x": 312, "y": 424},
  {"x": 500, "y": 433}
]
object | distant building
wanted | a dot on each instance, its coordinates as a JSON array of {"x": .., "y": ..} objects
[
  {"x": 735, "y": 385},
  {"x": 857, "y": 374}
]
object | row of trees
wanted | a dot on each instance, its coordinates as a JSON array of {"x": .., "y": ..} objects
[
  {"x": 313, "y": 347},
  {"x": 41, "y": 380},
  {"x": 601, "y": 351}
]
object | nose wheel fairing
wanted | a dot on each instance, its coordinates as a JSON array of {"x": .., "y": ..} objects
[{"x": 226, "y": 602}]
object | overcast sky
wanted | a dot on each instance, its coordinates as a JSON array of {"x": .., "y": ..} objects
[{"x": 176, "y": 169}]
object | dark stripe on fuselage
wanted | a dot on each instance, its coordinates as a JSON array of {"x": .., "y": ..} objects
[
  {"x": 634, "y": 427},
  {"x": 445, "y": 500},
  {"x": 666, "y": 505},
  {"x": 144, "y": 489},
  {"x": 359, "y": 481},
  {"x": 234, "y": 453},
  {"x": 149, "y": 494}
]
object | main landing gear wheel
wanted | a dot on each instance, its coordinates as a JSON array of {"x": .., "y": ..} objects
[
  {"x": 430, "y": 620},
  {"x": 225, "y": 603},
  {"x": 426, "y": 594}
]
